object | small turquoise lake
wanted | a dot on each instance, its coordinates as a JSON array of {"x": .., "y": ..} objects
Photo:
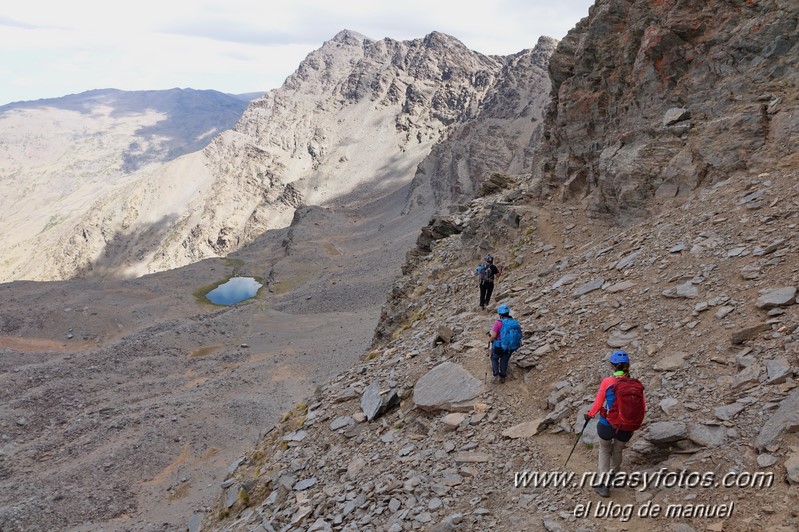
[{"x": 235, "y": 290}]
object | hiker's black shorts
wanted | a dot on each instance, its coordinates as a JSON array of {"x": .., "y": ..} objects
[{"x": 606, "y": 432}]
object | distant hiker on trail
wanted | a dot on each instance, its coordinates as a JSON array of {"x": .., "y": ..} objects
[
  {"x": 505, "y": 338},
  {"x": 486, "y": 273},
  {"x": 621, "y": 406}
]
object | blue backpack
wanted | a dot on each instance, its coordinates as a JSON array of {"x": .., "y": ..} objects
[
  {"x": 485, "y": 273},
  {"x": 510, "y": 336}
]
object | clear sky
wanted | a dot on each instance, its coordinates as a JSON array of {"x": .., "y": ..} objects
[{"x": 51, "y": 48}]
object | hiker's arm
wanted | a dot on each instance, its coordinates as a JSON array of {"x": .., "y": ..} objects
[
  {"x": 600, "y": 397},
  {"x": 494, "y": 332}
]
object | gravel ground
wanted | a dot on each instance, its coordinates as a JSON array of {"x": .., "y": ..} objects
[{"x": 123, "y": 403}]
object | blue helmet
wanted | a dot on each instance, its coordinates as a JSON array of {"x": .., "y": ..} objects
[
  {"x": 503, "y": 309},
  {"x": 619, "y": 357}
]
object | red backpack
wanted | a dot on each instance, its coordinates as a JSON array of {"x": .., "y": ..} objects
[{"x": 629, "y": 406}]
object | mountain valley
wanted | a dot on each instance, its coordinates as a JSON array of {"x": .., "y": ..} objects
[{"x": 637, "y": 180}]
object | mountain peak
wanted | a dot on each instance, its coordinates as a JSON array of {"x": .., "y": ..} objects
[
  {"x": 436, "y": 38},
  {"x": 349, "y": 37},
  {"x": 546, "y": 42}
]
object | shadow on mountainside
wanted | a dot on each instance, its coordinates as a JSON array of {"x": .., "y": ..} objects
[
  {"x": 388, "y": 180},
  {"x": 126, "y": 253}
]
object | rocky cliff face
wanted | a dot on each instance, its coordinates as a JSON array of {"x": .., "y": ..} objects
[
  {"x": 659, "y": 98},
  {"x": 499, "y": 137}
]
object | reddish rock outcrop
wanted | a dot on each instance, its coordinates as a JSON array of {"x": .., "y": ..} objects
[{"x": 658, "y": 98}]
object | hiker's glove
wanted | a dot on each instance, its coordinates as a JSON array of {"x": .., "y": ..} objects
[{"x": 586, "y": 417}]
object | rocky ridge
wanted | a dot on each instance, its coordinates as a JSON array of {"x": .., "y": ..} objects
[
  {"x": 500, "y": 137},
  {"x": 414, "y": 94},
  {"x": 703, "y": 296},
  {"x": 59, "y": 156},
  {"x": 306, "y": 143}
]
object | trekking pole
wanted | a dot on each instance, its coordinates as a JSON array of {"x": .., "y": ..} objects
[{"x": 578, "y": 439}]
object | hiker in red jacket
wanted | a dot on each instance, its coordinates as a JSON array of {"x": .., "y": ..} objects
[{"x": 616, "y": 426}]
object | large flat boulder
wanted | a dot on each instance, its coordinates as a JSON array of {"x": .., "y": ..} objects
[
  {"x": 371, "y": 401},
  {"x": 526, "y": 429},
  {"x": 448, "y": 387},
  {"x": 792, "y": 468},
  {"x": 667, "y": 432},
  {"x": 773, "y": 428},
  {"x": 672, "y": 362},
  {"x": 707, "y": 435},
  {"x": 777, "y": 297}
]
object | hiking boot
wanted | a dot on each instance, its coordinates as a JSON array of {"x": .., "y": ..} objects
[
  {"x": 602, "y": 490},
  {"x": 495, "y": 379},
  {"x": 502, "y": 380}
]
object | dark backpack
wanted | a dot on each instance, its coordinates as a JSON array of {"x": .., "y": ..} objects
[
  {"x": 510, "y": 335},
  {"x": 485, "y": 272},
  {"x": 629, "y": 406}
]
